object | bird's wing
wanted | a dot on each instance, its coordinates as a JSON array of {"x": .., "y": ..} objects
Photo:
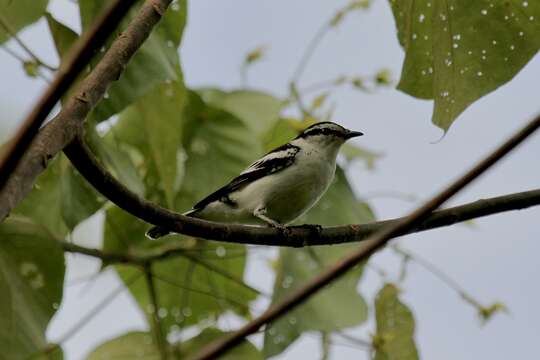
[{"x": 273, "y": 162}]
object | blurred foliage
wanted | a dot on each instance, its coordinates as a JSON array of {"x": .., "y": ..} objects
[
  {"x": 31, "y": 285},
  {"x": 173, "y": 145},
  {"x": 15, "y": 15}
]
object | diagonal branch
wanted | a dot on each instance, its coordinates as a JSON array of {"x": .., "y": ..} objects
[
  {"x": 373, "y": 243},
  {"x": 28, "y": 154},
  {"x": 87, "y": 164}
]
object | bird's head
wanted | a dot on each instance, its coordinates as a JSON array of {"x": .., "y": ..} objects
[{"x": 327, "y": 133}]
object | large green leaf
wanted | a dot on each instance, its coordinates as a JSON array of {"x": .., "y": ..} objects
[
  {"x": 79, "y": 199},
  {"x": 44, "y": 203},
  {"x": 243, "y": 351},
  {"x": 395, "y": 327},
  {"x": 338, "y": 306},
  {"x": 260, "y": 111},
  {"x": 218, "y": 146},
  {"x": 17, "y": 14},
  {"x": 31, "y": 282},
  {"x": 459, "y": 50},
  {"x": 117, "y": 159},
  {"x": 153, "y": 125},
  {"x": 60, "y": 199},
  {"x": 156, "y": 61},
  {"x": 191, "y": 288}
]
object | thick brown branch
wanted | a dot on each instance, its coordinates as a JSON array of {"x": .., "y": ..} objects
[
  {"x": 53, "y": 137},
  {"x": 81, "y": 55},
  {"x": 104, "y": 182},
  {"x": 373, "y": 243}
]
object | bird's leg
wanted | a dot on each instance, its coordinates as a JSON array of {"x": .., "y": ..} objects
[{"x": 260, "y": 213}]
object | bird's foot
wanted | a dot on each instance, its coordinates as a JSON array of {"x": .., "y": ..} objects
[{"x": 285, "y": 231}]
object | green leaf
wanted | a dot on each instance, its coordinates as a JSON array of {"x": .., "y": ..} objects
[
  {"x": 156, "y": 61},
  {"x": 154, "y": 125},
  {"x": 353, "y": 152},
  {"x": 133, "y": 345},
  {"x": 458, "y": 51},
  {"x": 79, "y": 200},
  {"x": 31, "y": 282},
  {"x": 192, "y": 288},
  {"x": 395, "y": 327},
  {"x": 63, "y": 36},
  {"x": 260, "y": 111},
  {"x": 243, "y": 351},
  {"x": 17, "y": 14},
  {"x": 217, "y": 140},
  {"x": 117, "y": 160},
  {"x": 140, "y": 345},
  {"x": 60, "y": 199},
  {"x": 296, "y": 266},
  {"x": 44, "y": 203}
]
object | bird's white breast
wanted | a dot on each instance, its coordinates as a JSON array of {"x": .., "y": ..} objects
[{"x": 291, "y": 192}]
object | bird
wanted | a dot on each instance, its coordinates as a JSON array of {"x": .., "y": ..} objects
[{"x": 279, "y": 187}]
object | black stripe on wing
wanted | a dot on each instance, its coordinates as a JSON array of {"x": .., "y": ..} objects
[{"x": 275, "y": 161}]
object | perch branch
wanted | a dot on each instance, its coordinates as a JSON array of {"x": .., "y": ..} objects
[
  {"x": 90, "y": 168},
  {"x": 373, "y": 243},
  {"x": 28, "y": 153}
]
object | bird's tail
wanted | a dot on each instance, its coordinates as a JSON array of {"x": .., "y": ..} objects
[{"x": 156, "y": 232}]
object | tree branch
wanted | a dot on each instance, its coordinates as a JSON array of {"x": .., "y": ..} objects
[
  {"x": 27, "y": 156},
  {"x": 373, "y": 243},
  {"x": 90, "y": 168}
]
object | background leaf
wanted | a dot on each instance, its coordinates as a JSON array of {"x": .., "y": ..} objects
[
  {"x": 79, "y": 199},
  {"x": 395, "y": 327},
  {"x": 189, "y": 292},
  {"x": 60, "y": 199},
  {"x": 244, "y": 351},
  {"x": 31, "y": 285},
  {"x": 154, "y": 126},
  {"x": 156, "y": 61},
  {"x": 133, "y": 345},
  {"x": 260, "y": 111},
  {"x": 62, "y": 35},
  {"x": 458, "y": 51},
  {"x": 339, "y": 306},
  {"x": 19, "y": 14}
]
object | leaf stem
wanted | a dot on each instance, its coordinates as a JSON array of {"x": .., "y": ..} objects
[{"x": 154, "y": 313}]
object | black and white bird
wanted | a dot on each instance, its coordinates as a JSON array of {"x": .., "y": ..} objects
[{"x": 279, "y": 187}]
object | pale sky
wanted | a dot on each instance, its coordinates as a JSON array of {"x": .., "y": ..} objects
[{"x": 496, "y": 259}]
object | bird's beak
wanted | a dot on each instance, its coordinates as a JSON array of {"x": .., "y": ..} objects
[{"x": 352, "y": 134}]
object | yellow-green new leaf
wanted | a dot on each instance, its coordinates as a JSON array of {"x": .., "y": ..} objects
[{"x": 394, "y": 339}]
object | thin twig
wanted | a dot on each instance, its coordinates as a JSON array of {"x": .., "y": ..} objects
[
  {"x": 375, "y": 242},
  {"x": 13, "y": 34},
  {"x": 91, "y": 169},
  {"x": 23, "y": 61},
  {"x": 161, "y": 342},
  {"x": 441, "y": 275}
]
